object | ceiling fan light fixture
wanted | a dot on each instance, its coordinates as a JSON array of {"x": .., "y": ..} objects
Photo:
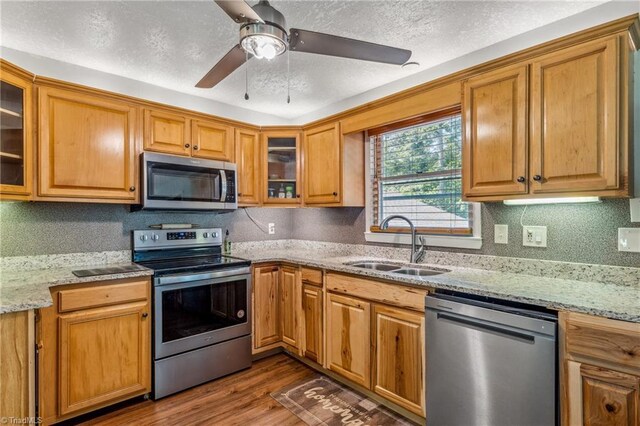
[{"x": 263, "y": 40}]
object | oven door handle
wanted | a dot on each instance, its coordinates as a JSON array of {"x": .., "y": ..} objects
[{"x": 190, "y": 277}]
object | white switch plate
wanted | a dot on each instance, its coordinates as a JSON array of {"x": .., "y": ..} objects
[
  {"x": 501, "y": 234},
  {"x": 534, "y": 236},
  {"x": 272, "y": 228},
  {"x": 635, "y": 209},
  {"x": 629, "y": 239}
]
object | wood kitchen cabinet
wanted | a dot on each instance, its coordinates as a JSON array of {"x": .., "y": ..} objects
[
  {"x": 17, "y": 371},
  {"x": 166, "y": 132},
  {"x": 16, "y": 131},
  {"x": 249, "y": 167},
  {"x": 399, "y": 357},
  {"x": 211, "y": 140},
  {"x": 575, "y": 103},
  {"x": 290, "y": 293},
  {"x": 267, "y": 328},
  {"x": 281, "y": 172},
  {"x": 495, "y": 132},
  {"x": 599, "y": 370},
  {"x": 574, "y": 140},
  {"x": 87, "y": 147},
  {"x": 333, "y": 167},
  {"x": 348, "y": 338},
  {"x": 313, "y": 314},
  {"x": 94, "y": 347}
]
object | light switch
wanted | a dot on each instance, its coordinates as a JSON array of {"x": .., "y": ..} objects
[
  {"x": 501, "y": 234},
  {"x": 629, "y": 239},
  {"x": 635, "y": 209},
  {"x": 534, "y": 236}
]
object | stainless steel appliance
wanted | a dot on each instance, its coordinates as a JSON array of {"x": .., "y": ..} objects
[
  {"x": 201, "y": 307},
  {"x": 489, "y": 362},
  {"x": 170, "y": 182}
]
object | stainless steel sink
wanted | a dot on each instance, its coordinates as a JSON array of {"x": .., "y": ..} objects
[
  {"x": 378, "y": 266},
  {"x": 417, "y": 272}
]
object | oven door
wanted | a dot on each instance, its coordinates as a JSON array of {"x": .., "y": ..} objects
[
  {"x": 197, "y": 310},
  {"x": 183, "y": 183}
]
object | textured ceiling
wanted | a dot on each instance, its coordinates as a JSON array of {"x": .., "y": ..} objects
[{"x": 174, "y": 43}]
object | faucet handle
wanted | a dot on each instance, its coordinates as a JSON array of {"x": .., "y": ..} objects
[{"x": 419, "y": 255}]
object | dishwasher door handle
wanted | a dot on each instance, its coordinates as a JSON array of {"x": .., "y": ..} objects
[{"x": 486, "y": 327}]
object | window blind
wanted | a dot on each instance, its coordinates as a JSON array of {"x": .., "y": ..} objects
[{"x": 416, "y": 172}]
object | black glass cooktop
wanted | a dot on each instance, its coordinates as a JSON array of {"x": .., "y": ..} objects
[{"x": 192, "y": 264}]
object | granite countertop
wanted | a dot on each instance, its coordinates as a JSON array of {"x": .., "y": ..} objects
[
  {"x": 614, "y": 301},
  {"x": 29, "y": 289}
]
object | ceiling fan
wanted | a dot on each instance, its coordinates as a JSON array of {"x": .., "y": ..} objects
[{"x": 263, "y": 35}]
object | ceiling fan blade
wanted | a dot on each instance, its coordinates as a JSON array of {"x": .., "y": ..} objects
[
  {"x": 228, "y": 64},
  {"x": 332, "y": 45},
  {"x": 239, "y": 11}
]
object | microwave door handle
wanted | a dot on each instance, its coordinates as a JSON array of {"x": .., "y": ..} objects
[{"x": 223, "y": 186}]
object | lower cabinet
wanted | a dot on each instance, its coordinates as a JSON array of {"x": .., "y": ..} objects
[
  {"x": 399, "y": 357},
  {"x": 349, "y": 338},
  {"x": 600, "y": 371},
  {"x": 267, "y": 329},
  {"x": 94, "y": 347},
  {"x": 312, "y": 309},
  {"x": 289, "y": 303}
]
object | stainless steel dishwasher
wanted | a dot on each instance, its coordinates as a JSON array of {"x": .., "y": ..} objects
[{"x": 489, "y": 363}]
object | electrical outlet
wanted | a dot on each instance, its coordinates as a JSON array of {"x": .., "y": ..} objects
[
  {"x": 501, "y": 234},
  {"x": 629, "y": 239},
  {"x": 272, "y": 228},
  {"x": 534, "y": 236}
]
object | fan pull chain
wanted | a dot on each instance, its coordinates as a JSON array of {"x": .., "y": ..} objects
[
  {"x": 288, "y": 78},
  {"x": 246, "y": 77}
]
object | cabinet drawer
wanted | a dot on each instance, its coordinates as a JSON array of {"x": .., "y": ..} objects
[
  {"x": 390, "y": 294},
  {"x": 111, "y": 294},
  {"x": 604, "y": 339},
  {"x": 311, "y": 276}
]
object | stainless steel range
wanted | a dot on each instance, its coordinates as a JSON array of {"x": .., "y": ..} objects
[{"x": 201, "y": 299}]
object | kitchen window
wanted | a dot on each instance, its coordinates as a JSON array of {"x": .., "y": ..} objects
[{"x": 416, "y": 171}]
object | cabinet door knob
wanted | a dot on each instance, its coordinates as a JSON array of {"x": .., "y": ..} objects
[
  {"x": 195, "y": 147},
  {"x": 335, "y": 194},
  {"x": 537, "y": 178},
  {"x": 145, "y": 314},
  {"x": 521, "y": 179},
  {"x": 186, "y": 145},
  {"x": 239, "y": 194},
  {"x": 297, "y": 195},
  {"x": 132, "y": 188}
]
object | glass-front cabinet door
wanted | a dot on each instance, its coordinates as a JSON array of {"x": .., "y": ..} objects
[
  {"x": 282, "y": 172},
  {"x": 15, "y": 134}
]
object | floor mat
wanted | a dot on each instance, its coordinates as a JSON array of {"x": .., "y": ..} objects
[{"x": 320, "y": 401}]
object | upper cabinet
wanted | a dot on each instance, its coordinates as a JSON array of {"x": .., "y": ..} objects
[
  {"x": 333, "y": 167},
  {"x": 573, "y": 140},
  {"x": 178, "y": 134},
  {"x": 15, "y": 134},
  {"x": 166, "y": 132},
  {"x": 86, "y": 147},
  {"x": 249, "y": 167},
  {"x": 495, "y": 132},
  {"x": 575, "y": 105},
  {"x": 212, "y": 140},
  {"x": 281, "y": 173}
]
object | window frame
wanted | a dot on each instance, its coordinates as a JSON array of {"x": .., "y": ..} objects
[{"x": 469, "y": 238}]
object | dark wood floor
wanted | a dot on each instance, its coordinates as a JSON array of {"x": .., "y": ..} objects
[{"x": 240, "y": 399}]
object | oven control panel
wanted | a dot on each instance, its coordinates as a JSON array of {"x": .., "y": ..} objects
[{"x": 167, "y": 238}]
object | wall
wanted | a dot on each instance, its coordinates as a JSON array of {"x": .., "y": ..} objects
[{"x": 48, "y": 228}]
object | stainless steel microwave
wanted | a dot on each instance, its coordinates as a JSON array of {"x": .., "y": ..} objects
[{"x": 170, "y": 182}]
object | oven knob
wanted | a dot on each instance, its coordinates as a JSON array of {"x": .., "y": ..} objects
[
  {"x": 214, "y": 234},
  {"x": 240, "y": 313},
  {"x": 205, "y": 235},
  {"x": 155, "y": 237},
  {"x": 144, "y": 238}
]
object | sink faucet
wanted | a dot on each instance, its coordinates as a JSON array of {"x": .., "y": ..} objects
[{"x": 416, "y": 255}]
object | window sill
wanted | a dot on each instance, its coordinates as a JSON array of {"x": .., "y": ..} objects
[{"x": 473, "y": 243}]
